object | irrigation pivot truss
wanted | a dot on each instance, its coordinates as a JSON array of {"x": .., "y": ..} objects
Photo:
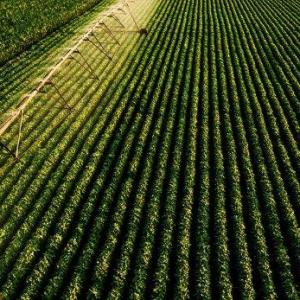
[{"x": 75, "y": 54}]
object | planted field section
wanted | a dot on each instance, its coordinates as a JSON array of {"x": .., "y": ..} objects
[
  {"x": 177, "y": 174},
  {"x": 23, "y": 23},
  {"x": 18, "y": 75}
]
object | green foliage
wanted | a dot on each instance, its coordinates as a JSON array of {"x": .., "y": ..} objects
[
  {"x": 176, "y": 176},
  {"x": 23, "y": 22}
]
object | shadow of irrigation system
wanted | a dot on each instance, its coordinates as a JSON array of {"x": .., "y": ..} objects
[{"x": 109, "y": 22}]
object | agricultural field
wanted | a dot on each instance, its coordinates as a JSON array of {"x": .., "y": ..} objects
[
  {"x": 24, "y": 22},
  {"x": 177, "y": 173}
]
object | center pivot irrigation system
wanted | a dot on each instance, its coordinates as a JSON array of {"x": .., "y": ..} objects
[{"x": 75, "y": 54}]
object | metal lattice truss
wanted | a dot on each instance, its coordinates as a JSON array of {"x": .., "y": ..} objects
[{"x": 75, "y": 54}]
